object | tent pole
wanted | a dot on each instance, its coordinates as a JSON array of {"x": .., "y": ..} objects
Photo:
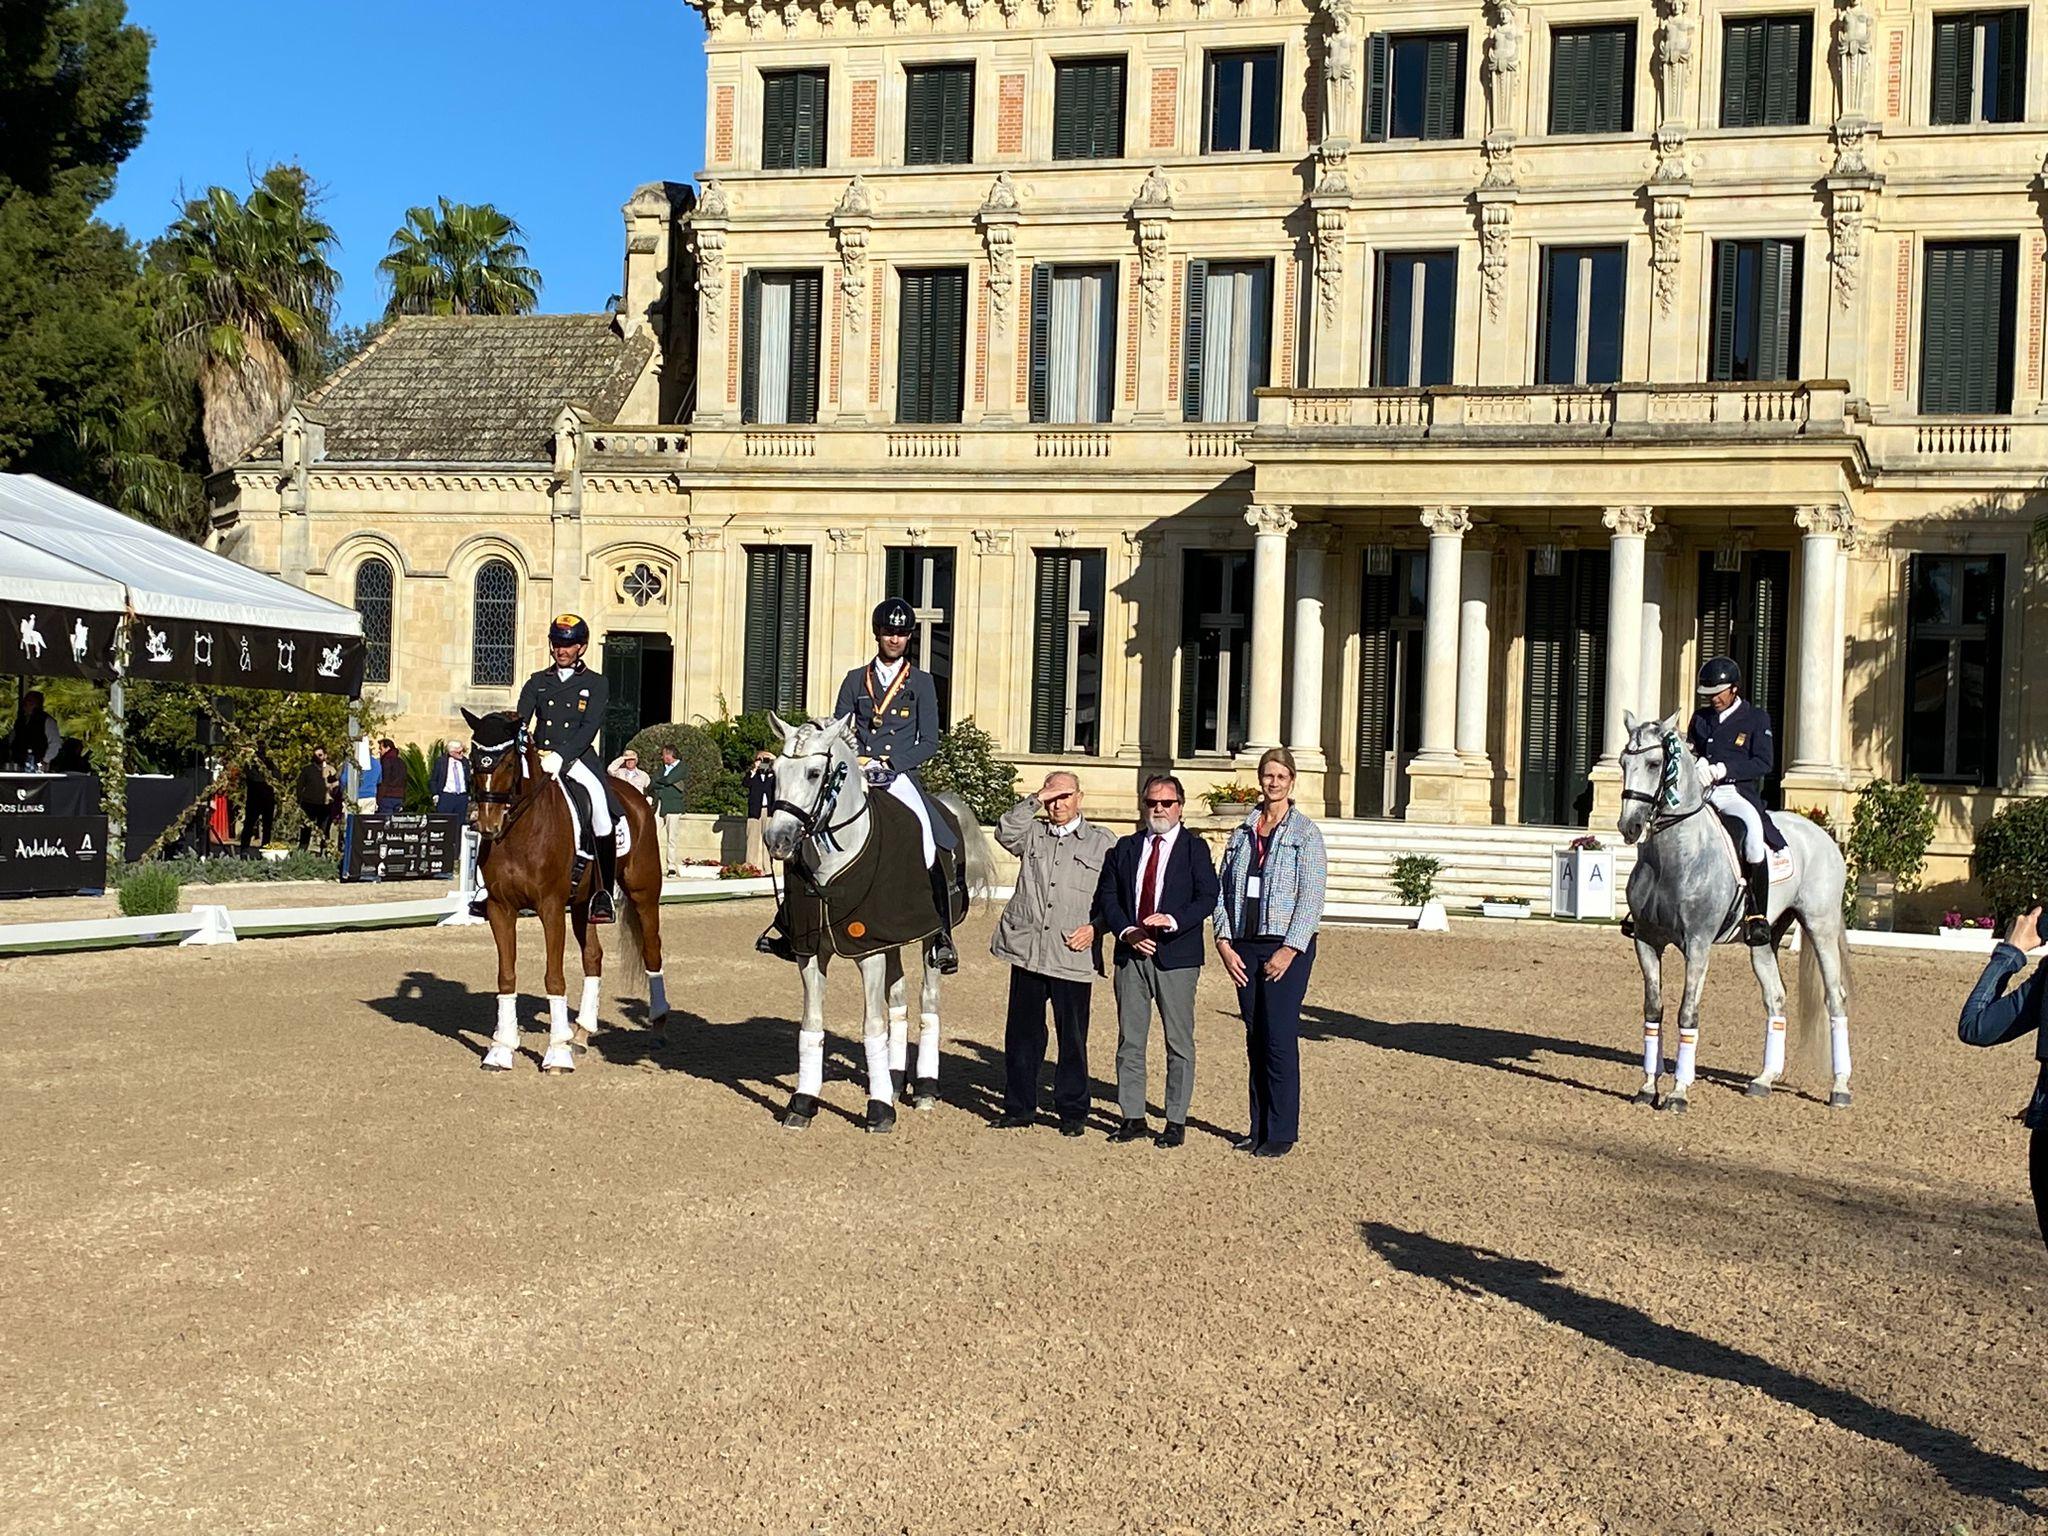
[{"x": 115, "y": 796}]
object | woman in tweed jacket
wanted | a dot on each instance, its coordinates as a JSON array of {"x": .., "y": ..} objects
[{"x": 1274, "y": 877}]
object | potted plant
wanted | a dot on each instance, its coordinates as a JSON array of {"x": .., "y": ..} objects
[
  {"x": 1582, "y": 879},
  {"x": 1224, "y": 798},
  {"x": 1503, "y": 906},
  {"x": 699, "y": 869},
  {"x": 2010, "y": 859},
  {"x": 1889, "y": 835},
  {"x": 1414, "y": 876}
]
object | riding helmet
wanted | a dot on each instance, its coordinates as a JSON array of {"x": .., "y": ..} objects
[
  {"x": 1719, "y": 672},
  {"x": 894, "y": 617},
  {"x": 568, "y": 629}
]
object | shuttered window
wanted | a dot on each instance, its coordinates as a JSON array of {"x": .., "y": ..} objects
[
  {"x": 493, "y": 625},
  {"x": 1564, "y": 687},
  {"x": 1415, "y": 87},
  {"x": 1241, "y": 101},
  {"x": 778, "y": 626},
  {"x": 373, "y": 602},
  {"x": 1980, "y": 68},
  {"x": 1756, "y": 311},
  {"x": 1393, "y": 612},
  {"x": 1742, "y": 614},
  {"x": 1088, "y": 109},
  {"x": 1418, "y": 317},
  {"x": 1592, "y": 79},
  {"x": 1966, "y": 333},
  {"x": 923, "y": 578},
  {"x": 1954, "y": 619},
  {"x": 1215, "y": 651},
  {"x": 1584, "y": 295},
  {"x": 1073, "y": 343},
  {"x": 1227, "y": 349},
  {"x": 1066, "y": 651},
  {"x": 779, "y": 356},
  {"x": 1766, "y": 74},
  {"x": 793, "y": 120},
  {"x": 931, "y": 345},
  {"x": 938, "y": 123}
]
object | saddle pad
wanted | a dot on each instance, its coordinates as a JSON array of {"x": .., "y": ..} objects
[{"x": 881, "y": 901}]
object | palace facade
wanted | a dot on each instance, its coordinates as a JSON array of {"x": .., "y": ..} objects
[{"x": 1415, "y": 385}]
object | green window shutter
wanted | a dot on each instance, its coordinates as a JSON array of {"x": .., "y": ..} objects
[
  {"x": 1952, "y": 50},
  {"x": 750, "y": 345},
  {"x": 913, "y": 366},
  {"x": 1444, "y": 99},
  {"x": 1727, "y": 261},
  {"x": 1375, "y": 691},
  {"x": 1987, "y": 293},
  {"x": 806, "y": 291},
  {"x": 1068, "y": 101},
  {"x": 1379, "y": 53},
  {"x": 793, "y": 633},
  {"x": 1049, "y": 659},
  {"x": 1109, "y": 108},
  {"x": 1543, "y": 685},
  {"x": 1041, "y": 331},
  {"x": 948, "y": 343},
  {"x": 1570, "y": 58},
  {"x": 1191, "y": 350},
  {"x": 778, "y": 122},
  {"x": 1587, "y": 709},
  {"x": 1940, "y": 370},
  {"x": 956, "y": 116},
  {"x": 1777, "y": 308},
  {"x": 1718, "y": 605},
  {"x": 757, "y": 690},
  {"x": 1105, "y": 367},
  {"x": 1741, "y": 89},
  {"x": 1611, "y": 97},
  {"x": 920, "y": 117},
  {"x": 1785, "y": 72},
  {"x": 2006, "y": 95},
  {"x": 807, "y": 134}
]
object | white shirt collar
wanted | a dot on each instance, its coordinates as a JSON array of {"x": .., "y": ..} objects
[
  {"x": 1730, "y": 709},
  {"x": 885, "y": 671},
  {"x": 565, "y": 673},
  {"x": 1070, "y": 828}
]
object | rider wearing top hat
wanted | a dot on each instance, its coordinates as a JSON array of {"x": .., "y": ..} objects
[
  {"x": 1733, "y": 736},
  {"x": 569, "y": 700}
]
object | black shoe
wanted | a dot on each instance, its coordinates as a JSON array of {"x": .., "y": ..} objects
[
  {"x": 479, "y": 908},
  {"x": 1011, "y": 1121},
  {"x": 1172, "y": 1136},
  {"x": 1273, "y": 1149},
  {"x": 1130, "y": 1130},
  {"x": 775, "y": 943},
  {"x": 1245, "y": 1144},
  {"x": 941, "y": 956},
  {"x": 1073, "y": 1128},
  {"x": 601, "y": 906}
]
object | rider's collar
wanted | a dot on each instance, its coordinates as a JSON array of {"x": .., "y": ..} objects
[
  {"x": 565, "y": 673},
  {"x": 1730, "y": 709},
  {"x": 887, "y": 670}
]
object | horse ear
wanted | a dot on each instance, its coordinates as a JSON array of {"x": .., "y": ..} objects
[
  {"x": 845, "y": 724},
  {"x": 474, "y": 723},
  {"x": 1671, "y": 725},
  {"x": 1629, "y": 722},
  {"x": 782, "y": 728}
]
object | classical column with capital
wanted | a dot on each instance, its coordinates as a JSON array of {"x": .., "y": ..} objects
[
  {"x": 1270, "y": 526},
  {"x": 1629, "y": 530},
  {"x": 1811, "y": 749},
  {"x": 1434, "y": 771},
  {"x": 1475, "y": 671},
  {"x": 1305, "y": 699}
]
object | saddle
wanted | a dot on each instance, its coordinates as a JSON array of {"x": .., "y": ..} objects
[
  {"x": 579, "y": 806},
  {"x": 882, "y": 900}
]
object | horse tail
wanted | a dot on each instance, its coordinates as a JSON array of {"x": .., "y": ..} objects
[
  {"x": 632, "y": 967},
  {"x": 1810, "y": 1051},
  {"x": 978, "y": 865}
]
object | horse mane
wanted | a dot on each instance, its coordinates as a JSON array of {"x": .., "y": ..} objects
[{"x": 818, "y": 736}]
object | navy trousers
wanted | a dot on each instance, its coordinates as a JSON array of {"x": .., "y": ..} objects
[
  {"x": 1272, "y": 1039},
  {"x": 1024, "y": 1040}
]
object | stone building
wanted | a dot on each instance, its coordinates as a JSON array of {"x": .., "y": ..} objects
[{"x": 1413, "y": 384}]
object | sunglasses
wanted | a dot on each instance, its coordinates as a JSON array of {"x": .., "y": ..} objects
[{"x": 1160, "y": 805}]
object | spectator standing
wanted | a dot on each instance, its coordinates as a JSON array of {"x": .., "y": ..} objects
[
  {"x": 35, "y": 741},
  {"x": 369, "y": 777},
  {"x": 1158, "y": 887},
  {"x": 626, "y": 766},
  {"x": 1047, "y": 936},
  {"x": 667, "y": 786},
  {"x": 1993, "y": 1016},
  {"x": 760, "y": 795},
  {"x": 392, "y": 779},
  {"x": 312, "y": 792},
  {"x": 450, "y": 778},
  {"x": 259, "y": 806},
  {"x": 1274, "y": 879}
]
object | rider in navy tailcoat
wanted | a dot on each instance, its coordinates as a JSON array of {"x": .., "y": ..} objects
[
  {"x": 1734, "y": 736},
  {"x": 569, "y": 700}
]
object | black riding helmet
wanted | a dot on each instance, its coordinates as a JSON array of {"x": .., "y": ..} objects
[
  {"x": 1719, "y": 672},
  {"x": 893, "y": 616},
  {"x": 568, "y": 629}
]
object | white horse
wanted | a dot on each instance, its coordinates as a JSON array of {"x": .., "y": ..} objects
[
  {"x": 1687, "y": 892},
  {"x": 820, "y": 824}
]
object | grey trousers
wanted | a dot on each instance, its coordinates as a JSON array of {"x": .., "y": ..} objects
[{"x": 1139, "y": 985}]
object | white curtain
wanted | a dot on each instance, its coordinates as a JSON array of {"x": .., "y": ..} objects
[
  {"x": 1074, "y": 348},
  {"x": 771, "y": 367},
  {"x": 1236, "y": 309}
]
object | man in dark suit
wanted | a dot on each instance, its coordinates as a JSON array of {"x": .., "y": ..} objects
[
  {"x": 1158, "y": 888},
  {"x": 450, "y": 780},
  {"x": 391, "y": 784}
]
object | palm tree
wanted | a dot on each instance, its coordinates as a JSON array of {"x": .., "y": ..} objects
[
  {"x": 245, "y": 290},
  {"x": 459, "y": 259}
]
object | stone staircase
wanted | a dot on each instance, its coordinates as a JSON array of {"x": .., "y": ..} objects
[{"x": 1508, "y": 861}]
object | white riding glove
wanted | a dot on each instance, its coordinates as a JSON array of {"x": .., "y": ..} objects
[
  {"x": 551, "y": 764},
  {"x": 1717, "y": 772}
]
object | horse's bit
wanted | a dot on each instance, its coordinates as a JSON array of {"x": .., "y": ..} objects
[{"x": 812, "y": 821}]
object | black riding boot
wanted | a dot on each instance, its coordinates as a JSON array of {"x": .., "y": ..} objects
[
  {"x": 1756, "y": 927},
  {"x": 774, "y": 940},
  {"x": 938, "y": 951},
  {"x": 607, "y": 878}
]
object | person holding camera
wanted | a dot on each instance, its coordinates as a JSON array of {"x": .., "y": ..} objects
[{"x": 1993, "y": 1016}]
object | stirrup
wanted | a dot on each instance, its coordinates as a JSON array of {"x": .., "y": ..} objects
[
  {"x": 600, "y": 908},
  {"x": 775, "y": 943}
]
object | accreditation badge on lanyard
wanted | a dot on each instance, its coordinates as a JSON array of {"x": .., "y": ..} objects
[{"x": 1261, "y": 846}]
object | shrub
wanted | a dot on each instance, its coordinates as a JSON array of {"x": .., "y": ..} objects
[
  {"x": 739, "y": 737},
  {"x": 294, "y": 866},
  {"x": 966, "y": 765},
  {"x": 2010, "y": 860},
  {"x": 1415, "y": 878},
  {"x": 1891, "y": 830},
  {"x": 149, "y": 890},
  {"x": 708, "y": 785},
  {"x": 419, "y": 789},
  {"x": 1230, "y": 794}
]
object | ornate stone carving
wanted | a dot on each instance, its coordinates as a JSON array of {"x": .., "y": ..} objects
[
  {"x": 1331, "y": 204},
  {"x": 899, "y": 12},
  {"x": 1447, "y": 521},
  {"x": 1499, "y": 153},
  {"x": 1064, "y": 537},
  {"x": 1264, "y": 518},
  {"x": 757, "y": 17},
  {"x": 1151, "y": 216},
  {"x": 999, "y": 217},
  {"x": 701, "y": 540},
  {"x": 1500, "y": 67},
  {"x": 791, "y": 11},
  {"x": 1340, "y": 75},
  {"x": 970, "y": 8},
  {"x": 1047, "y": 7},
  {"x": 1084, "y": 7},
  {"x": 991, "y": 541},
  {"x": 847, "y": 541},
  {"x": 1002, "y": 195},
  {"x": 1849, "y": 135},
  {"x": 935, "y": 9},
  {"x": 1667, "y": 228},
  {"x": 828, "y": 14},
  {"x": 863, "y": 13},
  {"x": 1629, "y": 522},
  {"x": 856, "y": 202},
  {"x": 1846, "y": 208},
  {"x": 852, "y": 221},
  {"x": 1827, "y": 519},
  {"x": 1676, "y": 35},
  {"x": 707, "y": 237},
  {"x": 919, "y": 534},
  {"x": 711, "y": 203},
  {"x": 1852, "y": 61},
  {"x": 1009, "y": 10},
  {"x": 1496, "y": 210}
]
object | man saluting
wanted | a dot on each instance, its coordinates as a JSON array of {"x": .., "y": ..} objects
[{"x": 570, "y": 700}]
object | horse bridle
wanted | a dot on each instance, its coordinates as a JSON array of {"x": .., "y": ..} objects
[
  {"x": 1667, "y": 742},
  {"x": 828, "y": 790},
  {"x": 484, "y": 761}
]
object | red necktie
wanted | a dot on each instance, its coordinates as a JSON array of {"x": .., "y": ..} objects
[{"x": 1147, "y": 880}]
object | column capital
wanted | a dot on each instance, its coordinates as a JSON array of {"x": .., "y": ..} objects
[
  {"x": 1629, "y": 522},
  {"x": 1447, "y": 522},
  {"x": 1265, "y": 519},
  {"x": 1827, "y": 520},
  {"x": 991, "y": 541},
  {"x": 1321, "y": 537}
]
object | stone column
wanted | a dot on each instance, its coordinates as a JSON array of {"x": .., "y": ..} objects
[
  {"x": 1270, "y": 527},
  {"x": 1656, "y": 595},
  {"x": 1305, "y": 704},
  {"x": 1812, "y": 755},
  {"x": 1629, "y": 530},
  {"x": 709, "y": 224},
  {"x": 1475, "y": 653},
  {"x": 1435, "y": 770},
  {"x": 1135, "y": 594}
]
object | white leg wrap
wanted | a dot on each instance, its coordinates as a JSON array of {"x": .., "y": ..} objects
[
  {"x": 1838, "y": 1045},
  {"x": 559, "y": 1057},
  {"x": 1774, "y": 1049},
  {"x": 879, "y": 1085},
  {"x": 899, "y": 1040},
  {"x": 1688, "y": 1048},
  {"x": 1653, "y": 1054},
  {"x": 810, "y": 1062},
  {"x": 586, "y": 1016},
  {"x": 657, "y": 996},
  {"x": 928, "y": 1045},
  {"x": 505, "y": 1038}
]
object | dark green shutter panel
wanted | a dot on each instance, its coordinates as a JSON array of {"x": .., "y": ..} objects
[
  {"x": 1378, "y": 86},
  {"x": 1770, "y": 585},
  {"x": 1741, "y": 98},
  {"x": 1939, "y": 345},
  {"x": 1952, "y": 49},
  {"x": 750, "y": 345},
  {"x": 1542, "y": 693},
  {"x": 1109, "y": 109},
  {"x": 1105, "y": 366},
  {"x": 1191, "y": 352},
  {"x": 1785, "y": 59},
  {"x": 896, "y": 574},
  {"x": 807, "y": 129},
  {"x": 1987, "y": 292},
  {"x": 1717, "y": 608},
  {"x": 920, "y": 117},
  {"x": 1727, "y": 265},
  {"x": 1049, "y": 658},
  {"x": 1775, "y": 307},
  {"x": 956, "y": 117},
  {"x": 1588, "y": 685},
  {"x": 1569, "y": 54},
  {"x": 2008, "y": 93},
  {"x": 778, "y": 122},
  {"x": 793, "y": 633},
  {"x": 806, "y": 290},
  {"x": 913, "y": 368},
  {"x": 1610, "y": 95},
  {"x": 758, "y": 685},
  {"x": 1375, "y": 692},
  {"x": 1068, "y": 99},
  {"x": 1041, "y": 332},
  {"x": 1442, "y": 107},
  {"x": 948, "y": 343}
]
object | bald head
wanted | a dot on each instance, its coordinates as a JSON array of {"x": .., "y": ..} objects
[{"x": 1061, "y": 797}]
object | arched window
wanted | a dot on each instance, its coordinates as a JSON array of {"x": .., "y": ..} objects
[
  {"x": 373, "y": 602},
  {"x": 495, "y": 617}
]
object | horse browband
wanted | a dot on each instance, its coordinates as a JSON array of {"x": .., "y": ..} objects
[
  {"x": 828, "y": 790},
  {"x": 1659, "y": 822}
]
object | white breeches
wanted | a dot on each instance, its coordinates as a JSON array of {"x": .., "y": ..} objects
[
  {"x": 1730, "y": 801},
  {"x": 905, "y": 791},
  {"x": 600, "y": 805}
]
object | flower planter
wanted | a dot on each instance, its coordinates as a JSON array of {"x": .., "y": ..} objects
[
  {"x": 1582, "y": 883},
  {"x": 275, "y": 855},
  {"x": 1876, "y": 899},
  {"x": 1504, "y": 908},
  {"x": 697, "y": 872},
  {"x": 1965, "y": 938}
]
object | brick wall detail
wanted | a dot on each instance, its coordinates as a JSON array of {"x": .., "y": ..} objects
[
  {"x": 1895, "y": 77},
  {"x": 2037, "y": 249},
  {"x": 1902, "y": 301},
  {"x": 838, "y": 333},
  {"x": 1130, "y": 280},
  {"x": 1165, "y": 93},
  {"x": 1173, "y": 328},
  {"x": 981, "y": 363},
  {"x": 721, "y": 127},
  {"x": 861, "y": 130},
  {"x": 875, "y": 285},
  {"x": 1010, "y": 115},
  {"x": 732, "y": 344},
  {"x": 1283, "y": 371}
]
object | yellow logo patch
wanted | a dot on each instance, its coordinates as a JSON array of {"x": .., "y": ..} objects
[{"x": 1742, "y": 738}]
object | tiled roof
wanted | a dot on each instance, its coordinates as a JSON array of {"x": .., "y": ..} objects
[{"x": 472, "y": 388}]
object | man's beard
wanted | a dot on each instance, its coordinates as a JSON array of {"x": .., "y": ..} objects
[{"x": 1160, "y": 825}]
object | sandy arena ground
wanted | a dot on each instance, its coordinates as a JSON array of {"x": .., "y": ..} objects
[{"x": 277, "y": 1256}]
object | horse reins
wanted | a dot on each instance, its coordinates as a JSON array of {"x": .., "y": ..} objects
[{"x": 1668, "y": 744}]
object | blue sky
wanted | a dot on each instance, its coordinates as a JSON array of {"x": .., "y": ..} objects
[{"x": 554, "y": 112}]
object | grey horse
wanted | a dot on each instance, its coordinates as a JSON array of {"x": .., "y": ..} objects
[
  {"x": 820, "y": 820},
  {"x": 1687, "y": 892}
]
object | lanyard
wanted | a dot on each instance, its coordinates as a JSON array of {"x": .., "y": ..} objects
[
  {"x": 1262, "y": 845},
  {"x": 881, "y": 706}
]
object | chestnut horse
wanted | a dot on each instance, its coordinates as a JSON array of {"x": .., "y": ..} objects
[{"x": 528, "y": 833}]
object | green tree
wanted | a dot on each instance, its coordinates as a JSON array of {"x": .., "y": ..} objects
[
  {"x": 459, "y": 259},
  {"x": 246, "y": 294}
]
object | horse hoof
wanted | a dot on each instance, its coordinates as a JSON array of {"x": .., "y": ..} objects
[
  {"x": 560, "y": 1058},
  {"x": 1839, "y": 1099},
  {"x": 1756, "y": 1088},
  {"x": 581, "y": 1039},
  {"x": 1674, "y": 1104},
  {"x": 1646, "y": 1098},
  {"x": 924, "y": 1093},
  {"x": 881, "y": 1116},
  {"x": 803, "y": 1108},
  {"x": 498, "y": 1059}
]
